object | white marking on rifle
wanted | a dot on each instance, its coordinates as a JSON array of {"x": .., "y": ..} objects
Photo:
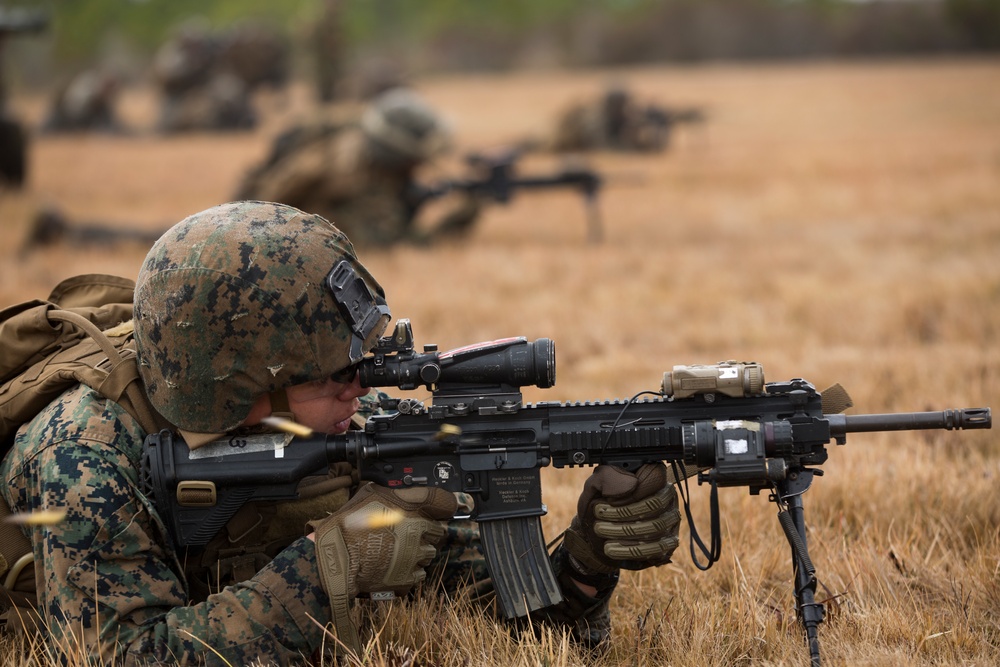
[
  {"x": 232, "y": 445},
  {"x": 734, "y": 446}
]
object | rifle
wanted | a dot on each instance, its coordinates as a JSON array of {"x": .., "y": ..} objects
[
  {"x": 667, "y": 118},
  {"x": 662, "y": 121},
  {"x": 495, "y": 178},
  {"x": 478, "y": 437}
]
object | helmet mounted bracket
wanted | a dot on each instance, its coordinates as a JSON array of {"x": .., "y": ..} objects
[{"x": 366, "y": 312}]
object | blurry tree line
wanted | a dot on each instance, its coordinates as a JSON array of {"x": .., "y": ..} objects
[{"x": 499, "y": 34}]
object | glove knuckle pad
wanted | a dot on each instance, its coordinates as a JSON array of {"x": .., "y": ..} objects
[
  {"x": 659, "y": 503},
  {"x": 636, "y": 551},
  {"x": 673, "y": 520},
  {"x": 652, "y": 552},
  {"x": 645, "y": 530}
]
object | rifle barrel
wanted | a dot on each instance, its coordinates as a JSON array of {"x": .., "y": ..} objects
[{"x": 963, "y": 418}]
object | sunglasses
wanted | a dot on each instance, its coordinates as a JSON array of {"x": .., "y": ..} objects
[{"x": 346, "y": 375}]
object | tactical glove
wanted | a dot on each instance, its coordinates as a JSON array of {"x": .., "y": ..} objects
[
  {"x": 379, "y": 542},
  {"x": 624, "y": 521}
]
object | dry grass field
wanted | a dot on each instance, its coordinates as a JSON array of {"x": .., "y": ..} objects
[{"x": 836, "y": 222}]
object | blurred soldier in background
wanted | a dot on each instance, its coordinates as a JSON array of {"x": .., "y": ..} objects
[
  {"x": 50, "y": 225},
  {"x": 616, "y": 121},
  {"x": 86, "y": 103},
  {"x": 257, "y": 55},
  {"x": 207, "y": 80},
  {"x": 13, "y": 139},
  {"x": 359, "y": 171}
]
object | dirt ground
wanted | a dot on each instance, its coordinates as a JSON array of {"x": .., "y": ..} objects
[{"x": 834, "y": 221}]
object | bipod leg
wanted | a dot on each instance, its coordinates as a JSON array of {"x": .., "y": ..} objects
[
  {"x": 791, "y": 515},
  {"x": 595, "y": 231}
]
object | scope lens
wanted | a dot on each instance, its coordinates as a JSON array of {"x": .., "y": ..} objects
[{"x": 545, "y": 363}]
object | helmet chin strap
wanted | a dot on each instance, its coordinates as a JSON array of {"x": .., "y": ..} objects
[{"x": 279, "y": 404}]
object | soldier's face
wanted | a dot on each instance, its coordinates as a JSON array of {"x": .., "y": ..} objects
[{"x": 326, "y": 405}]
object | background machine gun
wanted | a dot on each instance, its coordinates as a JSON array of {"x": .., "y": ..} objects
[
  {"x": 477, "y": 436},
  {"x": 494, "y": 177}
]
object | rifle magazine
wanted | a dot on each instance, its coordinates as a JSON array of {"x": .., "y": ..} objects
[{"x": 519, "y": 565}]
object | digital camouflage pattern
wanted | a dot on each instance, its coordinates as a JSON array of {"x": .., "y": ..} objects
[
  {"x": 231, "y": 303},
  {"x": 107, "y": 576}
]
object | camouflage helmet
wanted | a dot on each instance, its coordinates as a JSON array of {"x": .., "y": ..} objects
[
  {"x": 244, "y": 299},
  {"x": 400, "y": 121}
]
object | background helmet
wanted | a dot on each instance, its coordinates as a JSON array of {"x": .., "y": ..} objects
[
  {"x": 236, "y": 301},
  {"x": 401, "y": 122}
]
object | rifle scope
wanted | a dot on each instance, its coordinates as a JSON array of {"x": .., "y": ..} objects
[{"x": 514, "y": 362}]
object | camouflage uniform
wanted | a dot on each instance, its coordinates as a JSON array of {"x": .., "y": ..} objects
[
  {"x": 342, "y": 169},
  {"x": 109, "y": 581},
  {"x": 326, "y": 170},
  {"x": 107, "y": 576}
]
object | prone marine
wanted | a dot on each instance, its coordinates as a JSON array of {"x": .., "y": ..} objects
[{"x": 233, "y": 321}]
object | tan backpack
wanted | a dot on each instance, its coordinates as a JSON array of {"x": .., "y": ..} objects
[{"x": 81, "y": 334}]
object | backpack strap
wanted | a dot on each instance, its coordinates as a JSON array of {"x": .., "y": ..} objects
[
  {"x": 41, "y": 357},
  {"x": 122, "y": 381}
]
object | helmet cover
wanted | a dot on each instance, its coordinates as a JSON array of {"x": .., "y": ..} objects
[
  {"x": 401, "y": 121},
  {"x": 233, "y": 303}
]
